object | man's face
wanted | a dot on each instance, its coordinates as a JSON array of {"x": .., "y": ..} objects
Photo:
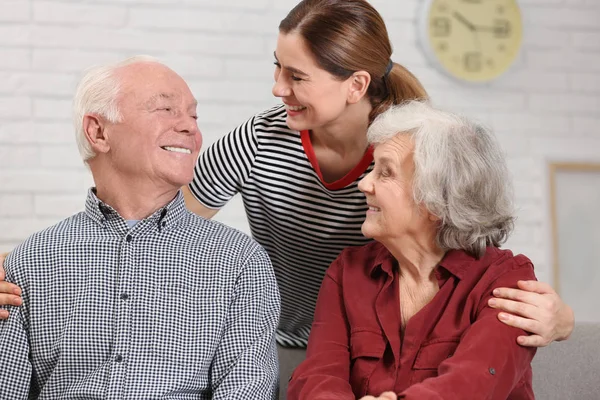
[{"x": 158, "y": 139}]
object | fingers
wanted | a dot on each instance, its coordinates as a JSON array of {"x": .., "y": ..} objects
[
  {"x": 10, "y": 295},
  {"x": 536, "y": 287},
  {"x": 515, "y": 307},
  {"x": 540, "y": 324},
  {"x": 533, "y": 341},
  {"x": 10, "y": 300},
  {"x": 526, "y": 324},
  {"x": 9, "y": 288},
  {"x": 3, "y": 314},
  {"x": 518, "y": 295}
]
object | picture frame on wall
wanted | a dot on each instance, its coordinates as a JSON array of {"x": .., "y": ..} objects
[{"x": 575, "y": 218}]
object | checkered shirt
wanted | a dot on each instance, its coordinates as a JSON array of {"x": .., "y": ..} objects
[{"x": 177, "y": 307}]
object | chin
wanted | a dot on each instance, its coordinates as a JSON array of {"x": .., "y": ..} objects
[
  {"x": 297, "y": 125},
  {"x": 179, "y": 181},
  {"x": 368, "y": 233}
]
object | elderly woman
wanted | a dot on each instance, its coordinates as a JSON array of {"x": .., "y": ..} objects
[{"x": 407, "y": 315}]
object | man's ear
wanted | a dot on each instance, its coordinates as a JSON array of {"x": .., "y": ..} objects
[
  {"x": 359, "y": 83},
  {"x": 95, "y": 133}
]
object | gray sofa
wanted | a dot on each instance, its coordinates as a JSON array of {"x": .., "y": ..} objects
[{"x": 569, "y": 370}]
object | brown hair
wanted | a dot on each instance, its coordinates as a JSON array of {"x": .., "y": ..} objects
[{"x": 346, "y": 36}]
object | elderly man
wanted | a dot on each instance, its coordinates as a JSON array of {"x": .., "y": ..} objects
[{"x": 136, "y": 297}]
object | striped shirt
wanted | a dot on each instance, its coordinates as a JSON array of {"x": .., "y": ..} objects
[
  {"x": 302, "y": 222},
  {"x": 175, "y": 307}
]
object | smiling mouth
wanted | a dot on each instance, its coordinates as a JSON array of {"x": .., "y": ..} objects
[
  {"x": 295, "y": 108},
  {"x": 177, "y": 149},
  {"x": 371, "y": 208}
]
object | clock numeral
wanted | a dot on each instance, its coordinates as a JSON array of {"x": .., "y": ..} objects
[
  {"x": 441, "y": 26},
  {"x": 472, "y": 61},
  {"x": 501, "y": 28}
]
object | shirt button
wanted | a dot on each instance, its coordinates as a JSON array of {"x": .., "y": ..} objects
[
  {"x": 119, "y": 358},
  {"x": 129, "y": 238},
  {"x": 492, "y": 371},
  {"x": 124, "y": 296}
]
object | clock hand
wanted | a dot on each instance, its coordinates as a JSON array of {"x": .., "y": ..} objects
[
  {"x": 464, "y": 21},
  {"x": 485, "y": 28}
]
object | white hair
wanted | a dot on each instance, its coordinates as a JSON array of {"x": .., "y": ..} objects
[
  {"x": 97, "y": 93},
  {"x": 460, "y": 174}
]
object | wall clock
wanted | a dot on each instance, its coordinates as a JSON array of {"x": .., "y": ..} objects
[{"x": 471, "y": 40}]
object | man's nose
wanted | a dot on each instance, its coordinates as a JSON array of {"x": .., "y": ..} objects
[{"x": 187, "y": 126}]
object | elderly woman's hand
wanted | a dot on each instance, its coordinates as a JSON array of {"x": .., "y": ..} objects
[
  {"x": 536, "y": 308},
  {"x": 382, "y": 396}
]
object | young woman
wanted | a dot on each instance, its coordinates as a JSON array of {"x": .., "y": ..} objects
[{"x": 297, "y": 166}]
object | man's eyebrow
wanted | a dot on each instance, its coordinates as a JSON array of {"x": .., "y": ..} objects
[
  {"x": 152, "y": 101},
  {"x": 163, "y": 96},
  {"x": 291, "y": 69}
]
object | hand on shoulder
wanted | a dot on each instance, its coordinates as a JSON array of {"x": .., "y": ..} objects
[
  {"x": 534, "y": 307},
  {"x": 10, "y": 294}
]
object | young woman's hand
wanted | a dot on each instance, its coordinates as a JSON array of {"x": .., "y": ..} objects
[
  {"x": 535, "y": 307},
  {"x": 10, "y": 294}
]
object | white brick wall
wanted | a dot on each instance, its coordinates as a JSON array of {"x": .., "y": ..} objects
[{"x": 547, "y": 108}]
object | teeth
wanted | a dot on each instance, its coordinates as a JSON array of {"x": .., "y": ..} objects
[
  {"x": 373, "y": 209},
  {"x": 295, "y": 108},
  {"x": 178, "y": 150}
]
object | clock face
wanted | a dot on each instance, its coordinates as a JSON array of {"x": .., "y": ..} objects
[{"x": 473, "y": 40}]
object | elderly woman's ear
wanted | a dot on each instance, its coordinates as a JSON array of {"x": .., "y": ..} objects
[{"x": 433, "y": 217}]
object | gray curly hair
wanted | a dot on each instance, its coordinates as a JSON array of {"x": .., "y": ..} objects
[{"x": 460, "y": 174}]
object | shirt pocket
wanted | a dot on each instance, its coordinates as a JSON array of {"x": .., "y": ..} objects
[
  {"x": 185, "y": 327},
  {"x": 366, "y": 351},
  {"x": 430, "y": 356}
]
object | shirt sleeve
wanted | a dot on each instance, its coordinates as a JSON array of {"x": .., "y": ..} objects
[
  {"x": 325, "y": 374},
  {"x": 475, "y": 372},
  {"x": 223, "y": 168},
  {"x": 15, "y": 367},
  {"x": 245, "y": 365}
]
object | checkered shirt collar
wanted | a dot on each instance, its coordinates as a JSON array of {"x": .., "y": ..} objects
[{"x": 164, "y": 219}]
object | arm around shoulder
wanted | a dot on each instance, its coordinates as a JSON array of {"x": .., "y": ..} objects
[
  {"x": 195, "y": 206},
  {"x": 222, "y": 170}
]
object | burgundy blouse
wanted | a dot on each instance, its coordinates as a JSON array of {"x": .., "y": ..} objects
[{"x": 453, "y": 348}]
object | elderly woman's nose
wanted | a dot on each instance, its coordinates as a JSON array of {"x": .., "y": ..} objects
[{"x": 365, "y": 185}]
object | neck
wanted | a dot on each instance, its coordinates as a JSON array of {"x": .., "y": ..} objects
[
  {"x": 133, "y": 199},
  {"x": 418, "y": 256},
  {"x": 348, "y": 133}
]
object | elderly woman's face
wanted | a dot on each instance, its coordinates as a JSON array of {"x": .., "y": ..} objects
[{"x": 392, "y": 211}]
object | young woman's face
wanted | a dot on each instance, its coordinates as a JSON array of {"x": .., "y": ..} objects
[{"x": 313, "y": 97}]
